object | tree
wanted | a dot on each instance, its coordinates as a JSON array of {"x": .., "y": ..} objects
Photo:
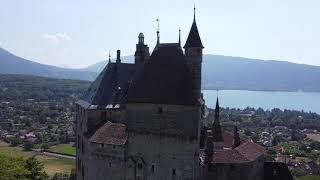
[
  {"x": 28, "y": 146},
  {"x": 36, "y": 169},
  {"x": 12, "y": 168},
  {"x": 73, "y": 175},
  {"x": 45, "y": 146},
  {"x": 15, "y": 141}
]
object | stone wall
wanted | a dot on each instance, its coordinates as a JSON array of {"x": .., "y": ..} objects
[
  {"x": 252, "y": 170},
  {"x": 164, "y": 120},
  {"x": 165, "y": 157}
]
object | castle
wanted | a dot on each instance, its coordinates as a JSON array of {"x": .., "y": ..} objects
[{"x": 143, "y": 121}]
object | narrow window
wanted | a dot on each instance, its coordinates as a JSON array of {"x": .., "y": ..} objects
[
  {"x": 140, "y": 166},
  {"x": 160, "y": 110},
  {"x": 152, "y": 168},
  {"x": 173, "y": 172},
  {"x": 113, "y": 147},
  {"x": 110, "y": 164}
]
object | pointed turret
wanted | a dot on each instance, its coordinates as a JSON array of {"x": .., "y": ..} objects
[
  {"x": 193, "y": 39},
  {"x": 216, "y": 128},
  {"x": 193, "y": 52},
  {"x": 217, "y": 110}
]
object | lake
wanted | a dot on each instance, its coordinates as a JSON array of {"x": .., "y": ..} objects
[{"x": 306, "y": 101}]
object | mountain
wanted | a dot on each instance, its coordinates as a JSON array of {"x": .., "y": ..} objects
[
  {"x": 226, "y": 72},
  {"x": 12, "y": 64}
]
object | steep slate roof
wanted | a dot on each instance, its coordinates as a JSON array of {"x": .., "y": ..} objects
[
  {"x": 110, "y": 133},
  {"x": 104, "y": 90},
  {"x": 194, "y": 39},
  {"x": 164, "y": 79}
]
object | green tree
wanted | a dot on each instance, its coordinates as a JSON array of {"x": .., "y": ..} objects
[
  {"x": 28, "y": 146},
  {"x": 36, "y": 169},
  {"x": 73, "y": 175},
  {"x": 15, "y": 141},
  {"x": 12, "y": 168}
]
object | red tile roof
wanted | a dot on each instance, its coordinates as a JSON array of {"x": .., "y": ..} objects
[
  {"x": 250, "y": 150},
  {"x": 110, "y": 133},
  {"x": 228, "y": 156},
  {"x": 246, "y": 152},
  {"x": 228, "y": 139}
]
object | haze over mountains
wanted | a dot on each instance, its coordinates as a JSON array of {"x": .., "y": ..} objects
[
  {"x": 12, "y": 64},
  {"x": 226, "y": 72},
  {"x": 219, "y": 72}
]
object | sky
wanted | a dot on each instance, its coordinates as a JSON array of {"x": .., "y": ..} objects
[{"x": 78, "y": 33}]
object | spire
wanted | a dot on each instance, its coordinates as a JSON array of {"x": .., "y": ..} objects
[
  {"x": 179, "y": 36},
  {"x": 158, "y": 35},
  {"x": 217, "y": 110},
  {"x": 216, "y": 128},
  {"x": 236, "y": 138},
  {"x": 194, "y": 39},
  {"x": 194, "y": 12},
  {"x": 109, "y": 57}
]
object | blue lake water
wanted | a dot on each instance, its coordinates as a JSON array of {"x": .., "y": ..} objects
[{"x": 267, "y": 100}]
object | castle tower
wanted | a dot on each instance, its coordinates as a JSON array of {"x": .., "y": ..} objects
[
  {"x": 193, "y": 52},
  {"x": 142, "y": 51},
  {"x": 216, "y": 128}
]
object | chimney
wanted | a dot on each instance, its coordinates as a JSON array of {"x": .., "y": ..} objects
[
  {"x": 236, "y": 138},
  {"x": 118, "y": 57},
  {"x": 209, "y": 148}
]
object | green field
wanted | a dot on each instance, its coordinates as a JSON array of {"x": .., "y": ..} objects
[
  {"x": 52, "y": 165},
  {"x": 64, "y": 149}
]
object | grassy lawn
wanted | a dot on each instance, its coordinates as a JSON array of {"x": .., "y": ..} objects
[
  {"x": 14, "y": 151},
  {"x": 64, "y": 148},
  {"x": 51, "y": 164}
]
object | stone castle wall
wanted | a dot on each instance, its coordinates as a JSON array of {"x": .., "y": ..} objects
[{"x": 164, "y": 120}]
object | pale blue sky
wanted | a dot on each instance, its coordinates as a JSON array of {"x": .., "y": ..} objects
[{"x": 77, "y": 33}]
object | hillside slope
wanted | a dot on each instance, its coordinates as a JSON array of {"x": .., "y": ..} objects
[
  {"x": 226, "y": 72},
  {"x": 12, "y": 64}
]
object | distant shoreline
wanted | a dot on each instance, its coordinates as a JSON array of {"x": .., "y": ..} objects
[{"x": 265, "y": 90}]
